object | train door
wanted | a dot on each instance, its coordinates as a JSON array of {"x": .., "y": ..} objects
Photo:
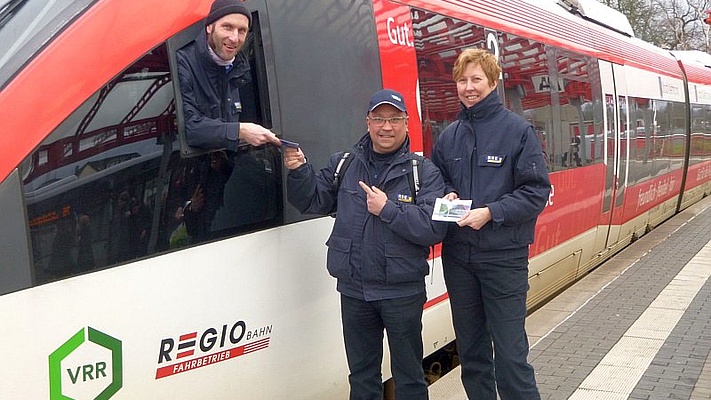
[{"x": 615, "y": 154}]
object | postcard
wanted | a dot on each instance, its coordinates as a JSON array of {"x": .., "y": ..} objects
[{"x": 450, "y": 211}]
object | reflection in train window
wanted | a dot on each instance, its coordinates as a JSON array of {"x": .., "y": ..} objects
[
  {"x": 528, "y": 87},
  {"x": 671, "y": 138},
  {"x": 108, "y": 185},
  {"x": 647, "y": 138},
  {"x": 540, "y": 83},
  {"x": 580, "y": 110},
  {"x": 700, "y": 133},
  {"x": 438, "y": 40}
]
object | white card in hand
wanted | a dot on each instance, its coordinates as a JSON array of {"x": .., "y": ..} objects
[{"x": 450, "y": 210}]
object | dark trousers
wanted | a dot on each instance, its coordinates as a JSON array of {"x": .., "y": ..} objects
[
  {"x": 363, "y": 325},
  {"x": 488, "y": 299}
]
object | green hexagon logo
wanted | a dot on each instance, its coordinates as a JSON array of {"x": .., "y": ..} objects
[{"x": 88, "y": 366}]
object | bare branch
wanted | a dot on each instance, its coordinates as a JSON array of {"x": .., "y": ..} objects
[{"x": 670, "y": 24}]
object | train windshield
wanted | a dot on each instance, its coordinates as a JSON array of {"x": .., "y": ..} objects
[{"x": 28, "y": 25}]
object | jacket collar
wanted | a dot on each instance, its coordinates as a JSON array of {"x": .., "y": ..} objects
[{"x": 481, "y": 110}]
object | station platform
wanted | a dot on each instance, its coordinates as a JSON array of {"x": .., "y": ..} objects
[{"x": 637, "y": 327}]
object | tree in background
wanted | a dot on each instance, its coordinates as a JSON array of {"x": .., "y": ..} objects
[{"x": 669, "y": 24}]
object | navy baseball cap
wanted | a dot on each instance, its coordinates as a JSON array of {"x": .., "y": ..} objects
[{"x": 387, "y": 96}]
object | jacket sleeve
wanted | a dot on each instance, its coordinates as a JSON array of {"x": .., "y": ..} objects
[
  {"x": 531, "y": 185},
  {"x": 311, "y": 192},
  {"x": 414, "y": 222},
  {"x": 201, "y": 130}
]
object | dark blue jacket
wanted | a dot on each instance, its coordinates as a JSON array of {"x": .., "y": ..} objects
[
  {"x": 211, "y": 101},
  {"x": 493, "y": 157},
  {"x": 373, "y": 257}
]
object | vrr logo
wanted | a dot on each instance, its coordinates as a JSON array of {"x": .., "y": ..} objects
[{"x": 88, "y": 366}]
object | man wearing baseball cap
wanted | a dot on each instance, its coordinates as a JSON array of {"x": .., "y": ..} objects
[{"x": 379, "y": 244}]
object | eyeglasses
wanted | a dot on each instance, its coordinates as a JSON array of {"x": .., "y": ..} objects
[{"x": 380, "y": 121}]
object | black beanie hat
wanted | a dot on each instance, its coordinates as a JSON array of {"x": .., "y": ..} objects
[{"x": 220, "y": 8}]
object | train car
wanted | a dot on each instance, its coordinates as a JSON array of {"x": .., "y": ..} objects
[{"x": 104, "y": 295}]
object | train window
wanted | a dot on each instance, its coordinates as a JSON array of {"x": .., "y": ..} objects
[
  {"x": 228, "y": 192},
  {"x": 91, "y": 188},
  {"x": 581, "y": 140},
  {"x": 528, "y": 87},
  {"x": 109, "y": 185},
  {"x": 671, "y": 137},
  {"x": 254, "y": 96},
  {"x": 540, "y": 83},
  {"x": 27, "y": 25},
  {"x": 437, "y": 41},
  {"x": 700, "y": 133},
  {"x": 641, "y": 136}
]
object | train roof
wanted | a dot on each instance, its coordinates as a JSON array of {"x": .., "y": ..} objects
[
  {"x": 697, "y": 65},
  {"x": 594, "y": 11}
]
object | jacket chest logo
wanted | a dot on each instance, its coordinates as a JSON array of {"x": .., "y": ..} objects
[
  {"x": 403, "y": 198},
  {"x": 494, "y": 159}
]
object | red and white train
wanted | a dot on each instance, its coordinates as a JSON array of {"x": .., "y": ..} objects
[{"x": 103, "y": 295}]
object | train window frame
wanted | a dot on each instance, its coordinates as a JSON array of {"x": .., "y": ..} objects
[
  {"x": 254, "y": 50},
  {"x": 17, "y": 269},
  {"x": 260, "y": 86}
]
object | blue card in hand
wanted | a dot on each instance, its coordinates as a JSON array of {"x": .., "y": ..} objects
[{"x": 288, "y": 143}]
